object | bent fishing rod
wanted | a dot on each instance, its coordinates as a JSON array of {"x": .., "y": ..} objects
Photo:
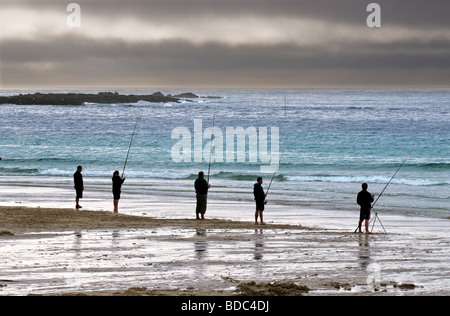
[
  {"x": 129, "y": 147},
  {"x": 373, "y": 205},
  {"x": 275, "y": 172}
]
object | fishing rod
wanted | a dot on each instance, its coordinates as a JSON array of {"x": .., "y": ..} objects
[
  {"x": 390, "y": 181},
  {"x": 373, "y": 205},
  {"x": 210, "y": 152},
  {"x": 273, "y": 176},
  {"x": 129, "y": 147}
]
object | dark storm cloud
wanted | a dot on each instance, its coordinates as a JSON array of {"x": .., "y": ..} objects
[
  {"x": 216, "y": 55},
  {"x": 232, "y": 42},
  {"x": 186, "y": 63}
]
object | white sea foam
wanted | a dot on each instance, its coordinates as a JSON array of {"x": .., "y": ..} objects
[
  {"x": 133, "y": 174},
  {"x": 373, "y": 179}
]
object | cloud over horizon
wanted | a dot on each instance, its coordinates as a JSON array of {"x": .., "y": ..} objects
[{"x": 228, "y": 42}]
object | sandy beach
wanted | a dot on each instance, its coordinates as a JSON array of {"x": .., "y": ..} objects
[{"x": 65, "y": 252}]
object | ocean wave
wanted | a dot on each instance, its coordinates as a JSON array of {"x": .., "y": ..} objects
[
  {"x": 375, "y": 179},
  {"x": 94, "y": 173},
  {"x": 131, "y": 174},
  {"x": 439, "y": 166},
  {"x": 166, "y": 174},
  {"x": 225, "y": 175},
  {"x": 13, "y": 171},
  {"x": 163, "y": 175}
]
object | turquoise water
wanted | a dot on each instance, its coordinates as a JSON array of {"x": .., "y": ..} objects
[{"x": 334, "y": 140}]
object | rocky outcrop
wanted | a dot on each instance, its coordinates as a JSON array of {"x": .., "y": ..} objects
[
  {"x": 187, "y": 95},
  {"x": 80, "y": 98}
]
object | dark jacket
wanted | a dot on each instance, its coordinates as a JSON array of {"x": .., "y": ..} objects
[
  {"x": 117, "y": 183},
  {"x": 78, "y": 180},
  {"x": 365, "y": 200},
  {"x": 201, "y": 186},
  {"x": 258, "y": 192}
]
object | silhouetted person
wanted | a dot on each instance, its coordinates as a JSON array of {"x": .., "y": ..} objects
[
  {"x": 260, "y": 198},
  {"x": 201, "y": 188},
  {"x": 365, "y": 200},
  {"x": 79, "y": 186},
  {"x": 117, "y": 189}
]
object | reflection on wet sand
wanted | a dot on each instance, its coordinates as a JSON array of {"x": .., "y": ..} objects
[
  {"x": 209, "y": 260},
  {"x": 364, "y": 250},
  {"x": 259, "y": 244},
  {"x": 201, "y": 246}
]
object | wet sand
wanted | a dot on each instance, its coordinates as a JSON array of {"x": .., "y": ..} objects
[
  {"x": 23, "y": 219},
  {"x": 62, "y": 251}
]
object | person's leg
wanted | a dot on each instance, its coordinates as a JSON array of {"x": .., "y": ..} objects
[
  {"x": 201, "y": 208},
  {"x": 367, "y": 226},
  {"x": 77, "y": 202},
  {"x": 261, "y": 216},
  {"x": 204, "y": 206},
  {"x": 256, "y": 217},
  {"x": 116, "y": 206},
  {"x": 197, "y": 208},
  {"x": 362, "y": 217},
  {"x": 359, "y": 226},
  {"x": 78, "y": 197}
]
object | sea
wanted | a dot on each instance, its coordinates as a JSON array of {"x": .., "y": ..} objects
[{"x": 314, "y": 147}]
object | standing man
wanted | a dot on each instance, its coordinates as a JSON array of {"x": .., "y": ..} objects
[
  {"x": 364, "y": 200},
  {"x": 117, "y": 189},
  {"x": 201, "y": 188},
  {"x": 260, "y": 198},
  {"x": 79, "y": 186}
]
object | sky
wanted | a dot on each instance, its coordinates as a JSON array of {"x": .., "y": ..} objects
[{"x": 238, "y": 43}]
